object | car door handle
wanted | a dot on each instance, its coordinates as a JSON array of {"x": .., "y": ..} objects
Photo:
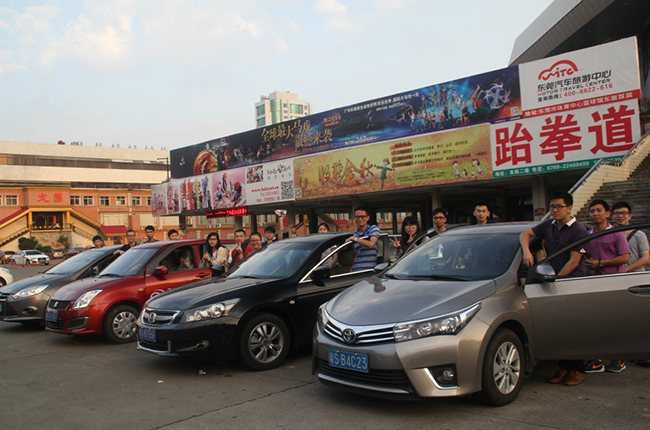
[
  {"x": 203, "y": 275},
  {"x": 643, "y": 290}
]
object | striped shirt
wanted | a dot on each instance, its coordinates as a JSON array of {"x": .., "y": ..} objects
[{"x": 366, "y": 258}]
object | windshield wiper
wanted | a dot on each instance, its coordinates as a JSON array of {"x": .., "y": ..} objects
[
  {"x": 246, "y": 277},
  {"x": 391, "y": 276},
  {"x": 110, "y": 275},
  {"x": 441, "y": 277}
]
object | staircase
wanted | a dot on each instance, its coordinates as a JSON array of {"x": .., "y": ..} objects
[{"x": 635, "y": 191}]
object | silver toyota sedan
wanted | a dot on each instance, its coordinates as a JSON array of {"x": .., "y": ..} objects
[{"x": 460, "y": 315}]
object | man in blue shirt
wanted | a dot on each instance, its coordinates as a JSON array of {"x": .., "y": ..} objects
[{"x": 366, "y": 248}]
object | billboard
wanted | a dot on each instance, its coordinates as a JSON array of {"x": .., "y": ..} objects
[
  {"x": 566, "y": 140},
  {"x": 489, "y": 97},
  {"x": 435, "y": 158},
  {"x": 270, "y": 182},
  {"x": 599, "y": 75}
]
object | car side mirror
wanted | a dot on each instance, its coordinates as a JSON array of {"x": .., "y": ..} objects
[
  {"x": 160, "y": 271},
  {"x": 218, "y": 271},
  {"x": 541, "y": 273},
  {"x": 95, "y": 270},
  {"x": 381, "y": 267},
  {"x": 320, "y": 273}
]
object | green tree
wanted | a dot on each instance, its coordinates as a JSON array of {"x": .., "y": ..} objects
[
  {"x": 27, "y": 243},
  {"x": 63, "y": 240}
]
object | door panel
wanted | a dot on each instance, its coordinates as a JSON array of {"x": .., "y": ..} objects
[{"x": 591, "y": 317}]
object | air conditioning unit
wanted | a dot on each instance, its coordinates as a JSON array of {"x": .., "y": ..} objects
[
  {"x": 190, "y": 221},
  {"x": 218, "y": 224}
]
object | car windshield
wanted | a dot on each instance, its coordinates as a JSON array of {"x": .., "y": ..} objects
[
  {"x": 132, "y": 263},
  {"x": 459, "y": 257},
  {"x": 32, "y": 253},
  {"x": 76, "y": 263},
  {"x": 278, "y": 260}
]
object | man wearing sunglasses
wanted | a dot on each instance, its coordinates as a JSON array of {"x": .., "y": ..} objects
[{"x": 365, "y": 241}]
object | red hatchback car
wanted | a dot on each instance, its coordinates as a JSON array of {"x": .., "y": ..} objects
[{"x": 110, "y": 303}]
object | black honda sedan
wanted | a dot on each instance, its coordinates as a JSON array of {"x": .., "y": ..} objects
[
  {"x": 25, "y": 300},
  {"x": 261, "y": 309}
]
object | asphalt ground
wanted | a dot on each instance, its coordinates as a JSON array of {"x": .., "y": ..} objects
[{"x": 51, "y": 381}]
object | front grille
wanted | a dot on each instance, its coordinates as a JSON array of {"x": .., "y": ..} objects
[
  {"x": 157, "y": 318},
  {"x": 395, "y": 379},
  {"x": 365, "y": 334},
  {"x": 58, "y": 304},
  {"x": 58, "y": 325}
]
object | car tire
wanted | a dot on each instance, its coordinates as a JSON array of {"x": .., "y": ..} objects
[
  {"x": 503, "y": 369},
  {"x": 264, "y": 342},
  {"x": 119, "y": 324},
  {"x": 2, "y": 282}
]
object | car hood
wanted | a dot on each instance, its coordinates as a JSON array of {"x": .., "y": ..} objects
[
  {"x": 32, "y": 281},
  {"x": 74, "y": 290},
  {"x": 201, "y": 293},
  {"x": 386, "y": 301}
]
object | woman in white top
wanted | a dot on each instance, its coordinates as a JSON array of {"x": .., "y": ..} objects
[{"x": 215, "y": 253}]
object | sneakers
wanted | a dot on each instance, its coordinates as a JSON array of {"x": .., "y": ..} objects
[
  {"x": 615, "y": 366},
  {"x": 594, "y": 366}
]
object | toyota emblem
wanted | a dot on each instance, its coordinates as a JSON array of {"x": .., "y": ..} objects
[
  {"x": 152, "y": 317},
  {"x": 349, "y": 336}
]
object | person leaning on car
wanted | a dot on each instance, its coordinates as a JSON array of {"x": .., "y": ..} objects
[
  {"x": 130, "y": 242},
  {"x": 559, "y": 231}
]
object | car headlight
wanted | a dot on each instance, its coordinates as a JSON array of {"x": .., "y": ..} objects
[
  {"x": 322, "y": 319},
  {"x": 446, "y": 324},
  {"x": 85, "y": 299},
  {"x": 216, "y": 310},
  {"x": 30, "y": 291}
]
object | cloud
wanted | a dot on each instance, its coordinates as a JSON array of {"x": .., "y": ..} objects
[{"x": 337, "y": 16}]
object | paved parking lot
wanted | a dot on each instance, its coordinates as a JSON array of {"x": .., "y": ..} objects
[{"x": 60, "y": 382}]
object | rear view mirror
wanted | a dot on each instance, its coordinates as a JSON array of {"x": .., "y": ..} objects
[
  {"x": 160, "y": 271},
  {"x": 381, "y": 267},
  {"x": 541, "y": 273}
]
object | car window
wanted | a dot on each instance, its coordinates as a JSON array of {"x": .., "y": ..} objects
[
  {"x": 178, "y": 259},
  {"x": 278, "y": 260},
  {"x": 475, "y": 257},
  {"x": 339, "y": 258},
  {"x": 76, "y": 263},
  {"x": 131, "y": 263}
]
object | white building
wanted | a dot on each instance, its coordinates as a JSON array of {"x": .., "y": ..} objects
[{"x": 278, "y": 107}]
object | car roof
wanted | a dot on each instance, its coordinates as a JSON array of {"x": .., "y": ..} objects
[
  {"x": 495, "y": 228},
  {"x": 165, "y": 243}
]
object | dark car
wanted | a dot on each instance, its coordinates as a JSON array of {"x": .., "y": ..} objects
[
  {"x": 459, "y": 315},
  {"x": 110, "y": 303},
  {"x": 25, "y": 300},
  {"x": 73, "y": 251},
  {"x": 261, "y": 309}
]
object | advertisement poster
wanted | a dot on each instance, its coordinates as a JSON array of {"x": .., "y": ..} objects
[
  {"x": 228, "y": 189},
  {"x": 270, "y": 182},
  {"x": 486, "y": 98},
  {"x": 159, "y": 199},
  {"x": 564, "y": 141},
  {"x": 599, "y": 75},
  {"x": 452, "y": 156}
]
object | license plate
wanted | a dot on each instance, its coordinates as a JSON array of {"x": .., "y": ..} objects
[
  {"x": 347, "y": 360},
  {"x": 147, "y": 333},
  {"x": 51, "y": 316}
]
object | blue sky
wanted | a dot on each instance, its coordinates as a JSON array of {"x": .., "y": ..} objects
[{"x": 169, "y": 73}]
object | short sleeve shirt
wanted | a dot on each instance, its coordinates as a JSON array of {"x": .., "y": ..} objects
[
  {"x": 638, "y": 243},
  {"x": 366, "y": 258},
  {"x": 608, "y": 247},
  {"x": 557, "y": 239}
]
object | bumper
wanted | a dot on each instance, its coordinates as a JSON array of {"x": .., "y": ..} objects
[
  {"x": 28, "y": 309},
  {"x": 411, "y": 368},
  {"x": 81, "y": 321},
  {"x": 205, "y": 338}
]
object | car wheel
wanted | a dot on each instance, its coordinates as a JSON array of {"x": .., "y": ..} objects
[
  {"x": 264, "y": 343},
  {"x": 119, "y": 324},
  {"x": 2, "y": 282},
  {"x": 503, "y": 369}
]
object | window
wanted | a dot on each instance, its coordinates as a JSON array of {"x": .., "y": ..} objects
[
  {"x": 296, "y": 109},
  {"x": 260, "y": 110},
  {"x": 149, "y": 201},
  {"x": 135, "y": 201},
  {"x": 11, "y": 200},
  {"x": 261, "y": 122},
  {"x": 75, "y": 200},
  {"x": 104, "y": 201},
  {"x": 120, "y": 201},
  {"x": 88, "y": 200}
]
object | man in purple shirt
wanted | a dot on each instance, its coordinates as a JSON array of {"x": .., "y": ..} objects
[
  {"x": 609, "y": 253},
  {"x": 558, "y": 232}
]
